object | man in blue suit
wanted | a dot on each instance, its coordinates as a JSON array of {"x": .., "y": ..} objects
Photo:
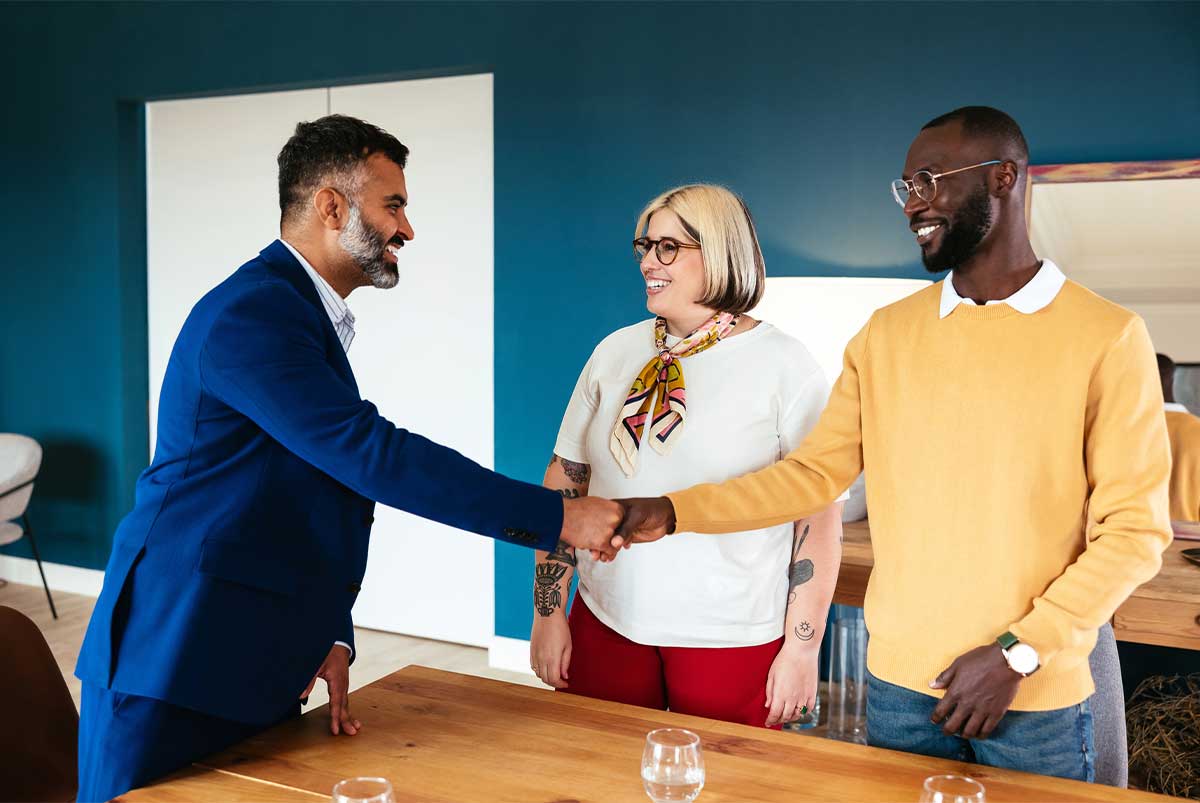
[{"x": 231, "y": 581}]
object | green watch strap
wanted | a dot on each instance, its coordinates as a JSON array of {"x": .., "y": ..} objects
[{"x": 1006, "y": 640}]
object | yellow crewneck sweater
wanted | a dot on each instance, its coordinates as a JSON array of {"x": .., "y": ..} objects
[
  {"x": 985, "y": 436},
  {"x": 1184, "y": 432}
]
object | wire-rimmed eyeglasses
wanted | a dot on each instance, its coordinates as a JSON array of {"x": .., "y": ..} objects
[
  {"x": 924, "y": 183},
  {"x": 665, "y": 248}
]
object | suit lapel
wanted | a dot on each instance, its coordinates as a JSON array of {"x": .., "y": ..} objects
[{"x": 280, "y": 259}]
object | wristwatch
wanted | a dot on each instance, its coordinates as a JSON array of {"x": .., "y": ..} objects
[{"x": 1021, "y": 658}]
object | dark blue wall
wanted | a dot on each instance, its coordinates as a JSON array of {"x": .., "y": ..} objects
[{"x": 806, "y": 109}]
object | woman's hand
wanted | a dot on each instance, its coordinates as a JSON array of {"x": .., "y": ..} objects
[
  {"x": 550, "y": 648},
  {"x": 792, "y": 682}
]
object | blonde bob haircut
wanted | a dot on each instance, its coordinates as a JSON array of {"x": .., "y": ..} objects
[{"x": 719, "y": 221}]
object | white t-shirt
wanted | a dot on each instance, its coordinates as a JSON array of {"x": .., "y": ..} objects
[{"x": 750, "y": 400}]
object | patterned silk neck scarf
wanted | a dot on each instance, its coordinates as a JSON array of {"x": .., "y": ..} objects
[{"x": 662, "y": 375}]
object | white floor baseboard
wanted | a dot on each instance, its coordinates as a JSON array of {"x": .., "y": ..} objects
[
  {"x": 59, "y": 576},
  {"x": 509, "y": 653}
]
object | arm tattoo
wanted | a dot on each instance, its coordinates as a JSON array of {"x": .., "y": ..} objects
[
  {"x": 800, "y": 543},
  {"x": 563, "y": 553},
  {"x": 804, "y": 631},
  {"x": 547, "y": 596},
  {"x": 801, "y": 571},
  {"x": 578, "y": 473}
]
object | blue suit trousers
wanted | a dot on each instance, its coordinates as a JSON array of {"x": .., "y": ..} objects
[{"x": 127, "y": 741}]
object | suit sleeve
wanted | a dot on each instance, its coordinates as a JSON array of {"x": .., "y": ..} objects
[
  {"x": 347, "y": 638},
  {"x": 265, "y": 358}
]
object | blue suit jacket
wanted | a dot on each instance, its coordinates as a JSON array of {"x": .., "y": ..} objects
[{"x": 237, "y": 568}]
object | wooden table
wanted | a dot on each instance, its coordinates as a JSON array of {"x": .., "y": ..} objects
[
  {"x": 202, "y": 784},
  {"x": 1164, "y": 611},
  {"x": 441, "y": 737}
]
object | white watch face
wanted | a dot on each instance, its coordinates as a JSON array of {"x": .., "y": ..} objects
[{"x": 1022, "y": 658}]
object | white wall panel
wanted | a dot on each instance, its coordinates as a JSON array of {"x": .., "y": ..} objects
[
  {"x": 423, "y": 352},
  {"x": 212, "y": 201},
  {"x": 424, "y": 349},
  {"x": 824, "y": 312}
]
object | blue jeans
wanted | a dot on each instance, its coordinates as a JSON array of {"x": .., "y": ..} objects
[{"x": 1058, "y": 743}]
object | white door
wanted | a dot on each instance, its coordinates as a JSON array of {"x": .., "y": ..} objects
[
  {"x": 423, "y": 350},
  {"x": 212, "y": 201},
  {"x": 212, "y": 204}
]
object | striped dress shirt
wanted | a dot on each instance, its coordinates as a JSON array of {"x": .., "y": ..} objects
[{"x": 335, "y": 306}]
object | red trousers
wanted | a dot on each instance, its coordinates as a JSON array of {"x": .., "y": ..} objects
[{"x": 726, "y": 683}]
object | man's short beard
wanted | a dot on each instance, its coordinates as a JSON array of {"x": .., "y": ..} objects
[
  {"x": 971, "y": 225},
  {"x": 368, "y": 249}
]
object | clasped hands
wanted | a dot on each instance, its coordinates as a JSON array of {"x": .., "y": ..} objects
[
  {"x": 979, "y": 685},
  {"x": 604, "y": 526}
]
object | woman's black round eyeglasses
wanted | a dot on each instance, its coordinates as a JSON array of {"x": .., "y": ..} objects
[{"x": 665, "y": 248}]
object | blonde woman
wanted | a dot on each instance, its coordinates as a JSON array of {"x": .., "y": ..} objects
[{"x": 724, "y": 626}]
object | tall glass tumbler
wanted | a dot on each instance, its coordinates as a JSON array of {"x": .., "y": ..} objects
[{"x": 848, "y": 681}]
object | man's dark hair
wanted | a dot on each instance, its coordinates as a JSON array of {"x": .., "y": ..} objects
[
  {"x": 986, "y": 122},
  {"x": 1166, "y": 370},
  {"x": 326, "y": 152}
]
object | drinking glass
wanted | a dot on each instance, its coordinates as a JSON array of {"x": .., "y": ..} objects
[
  {"x": 363, "y": 790},
  {"x": 848, "y": 681},
  {"x": 951, "y": 789},
  {"x": 672, "y": 765}
]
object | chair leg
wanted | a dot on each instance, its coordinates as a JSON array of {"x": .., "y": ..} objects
[{"x": 38, "y": 558}]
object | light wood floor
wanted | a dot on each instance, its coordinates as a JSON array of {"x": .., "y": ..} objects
[{"x": 379, "y": 654}]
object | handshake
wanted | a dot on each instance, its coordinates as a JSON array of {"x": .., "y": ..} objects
[{"x": 604, "y": 526}]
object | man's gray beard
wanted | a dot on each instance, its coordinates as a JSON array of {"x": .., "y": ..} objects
[{"x": 368, "y": 249}]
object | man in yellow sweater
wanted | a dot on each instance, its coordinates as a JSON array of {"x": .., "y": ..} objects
[
  {"x": 1183, "y": 429},
  {"x": 992, "y": 411}
]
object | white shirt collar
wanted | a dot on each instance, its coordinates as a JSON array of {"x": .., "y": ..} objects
[
  {"x": 1037, "y": 293},
  {"x": 1174, "y": 407},
  {"x": 335, "y": 306}
]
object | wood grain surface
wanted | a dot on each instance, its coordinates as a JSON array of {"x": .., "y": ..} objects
[
  {"x": 201, "y": 784},
  {"x": 447, "y": 738},
  {"x": 1164, "y": 611}
]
